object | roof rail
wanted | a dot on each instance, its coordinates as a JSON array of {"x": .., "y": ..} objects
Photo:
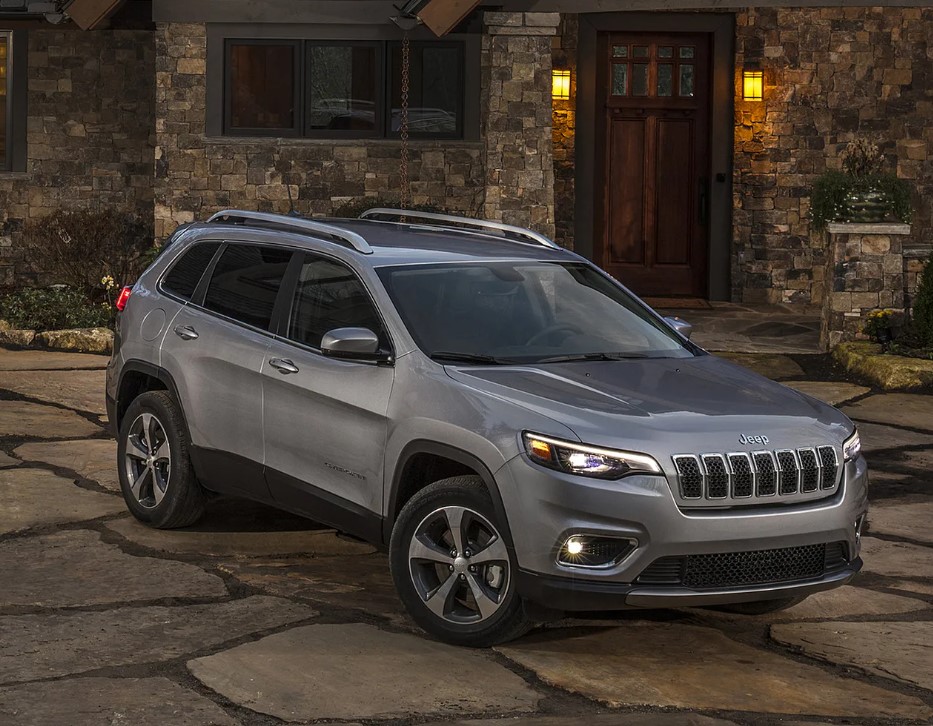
[
  {"x": 450, "y": 220},
  {"x": 297, "y": 224}
]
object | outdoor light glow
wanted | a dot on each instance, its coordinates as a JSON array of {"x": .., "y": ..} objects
[
  {"x": 753, "y": 85},
  {"x": 561, "y": 85},
  {"x": 574, "y": 547}
]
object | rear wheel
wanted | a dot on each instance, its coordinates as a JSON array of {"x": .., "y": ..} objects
[
  {"x": 761, "y": 607},
  {"x": 453, "y": 568}
]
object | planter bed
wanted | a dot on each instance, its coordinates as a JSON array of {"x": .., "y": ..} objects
[
  {"x": 77, "y": 340},
  {"x": 867, "y": 362}
]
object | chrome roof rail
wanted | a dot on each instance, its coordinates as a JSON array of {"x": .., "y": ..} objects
[
  {"x": 452, "y": 221},
  {"x": 297, "y": 224}
]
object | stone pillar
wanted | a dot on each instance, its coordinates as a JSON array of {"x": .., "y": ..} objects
[
  {"x": 865, "y": 271},
  {"x": 517, "y": 119}
]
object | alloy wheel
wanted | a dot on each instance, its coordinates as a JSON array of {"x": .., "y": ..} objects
[
  {"x": 148, "y": 460},
  {"x": 459, "y": 565}
]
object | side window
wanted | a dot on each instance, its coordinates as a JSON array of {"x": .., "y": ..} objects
[
  {"x": 330, "y": 296},
  {"x": 245, "y": 283},
  {"x": 182, "y": 280}
]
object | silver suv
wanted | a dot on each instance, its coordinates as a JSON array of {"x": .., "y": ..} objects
[{"x": 521, "y": 433}]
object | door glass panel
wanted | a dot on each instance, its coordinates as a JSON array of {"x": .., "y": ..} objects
[
  {"x": 620, "y": 51},
  {"x": 687, "y": 51},
  {"x": 245, "y": 283},
  {"x": 686, "y": 80},
  {"x": 330, "y": 296},
  {"x": 262, "y": 86},
  {"x": 640, "y": 79},
  {"x": 620, "y": 79},
  {"x": 665, "y": 51},
  {"x": 341, "y": 86},
  {"x": 641, "y": 51},
  {"x": 665, "y": 79},
  {"x": 183, "y": 278}
]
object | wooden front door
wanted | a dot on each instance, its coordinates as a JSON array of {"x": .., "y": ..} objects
[{"x": 653, "y": 139}]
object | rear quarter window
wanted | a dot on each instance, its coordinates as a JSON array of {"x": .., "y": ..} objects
[{"x": 183, "y": 278}]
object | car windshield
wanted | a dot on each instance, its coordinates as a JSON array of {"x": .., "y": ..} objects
[{"x": 524, "y": 312}]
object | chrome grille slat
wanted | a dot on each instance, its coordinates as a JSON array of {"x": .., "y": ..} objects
[
  {"x": 789, "y": 471},
  {"x": 717, "y": 476},
  {"x": 767, "y": 473},
  {"x": 809, "y": 470},
  {"x": 830, "y": 465},
  {"x": 743, "y": 477},
  {"x": 690, "y": 475}
]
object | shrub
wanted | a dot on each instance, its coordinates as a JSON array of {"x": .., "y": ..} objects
[
  {"x": 80, "y": 248},
  {"x": 923, "y": 306},
  {"x": 54, "y": 308},
  {"x": 355, "y": 207}
]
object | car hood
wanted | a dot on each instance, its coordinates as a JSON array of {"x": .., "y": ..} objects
[{"x": 663, "y": 406}]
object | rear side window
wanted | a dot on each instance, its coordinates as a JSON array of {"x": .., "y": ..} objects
[
  {"x": 245, "y": 283},
  {"x": 182, "y": 280}
]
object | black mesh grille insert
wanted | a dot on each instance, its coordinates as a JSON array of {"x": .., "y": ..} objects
[
  {"x": 810, "y": 480},
  {"x": 691, "y": 479},
  {"x": 717, "y": 477},
  {"x": 788, "y": 465},
  {"x": 742, "y": 478},
  {"x": 830, "y": 467},
  {"x": 767, "y": 475}
]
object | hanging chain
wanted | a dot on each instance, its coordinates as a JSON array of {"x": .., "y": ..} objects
[{"x": 405, "y": 192}]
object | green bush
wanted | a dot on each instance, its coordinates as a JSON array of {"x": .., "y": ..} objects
[
  {"x": 829, "y": 200},
  {"x": 55, "y": 308},
  {"x": 922, "y": 316},
  {"x": 355, "y": 207}
]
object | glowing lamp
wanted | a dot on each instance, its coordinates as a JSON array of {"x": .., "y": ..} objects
[
  {"x": 560, "y": 85},
  {"x": 753, "y": 85}
]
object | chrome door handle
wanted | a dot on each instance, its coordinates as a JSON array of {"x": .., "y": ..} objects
[
  {"x": 283, "y": 365},
  {"x": 186, "y": 332}
]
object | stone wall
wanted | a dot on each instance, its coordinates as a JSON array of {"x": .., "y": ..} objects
[
  {"x": 564, "y": 134},
  {"x": 197, "y": 175},
  {"x": 831, "y": 75},
  {"x": 89, "y": 132}
]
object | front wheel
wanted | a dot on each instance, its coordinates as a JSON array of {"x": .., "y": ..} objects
[{"x": 452, "y": 567}]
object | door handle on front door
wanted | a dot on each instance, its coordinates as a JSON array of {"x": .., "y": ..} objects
[
  {"x": 283, "y": 366},
  {"x": 186, "y": 332}
]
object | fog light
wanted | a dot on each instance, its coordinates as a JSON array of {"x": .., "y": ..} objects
[{"x": 594, "y": 552}]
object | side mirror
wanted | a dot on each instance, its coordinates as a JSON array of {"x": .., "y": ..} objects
[
  {"x": 359, "y": 343},
  {"x": 681, "y": 326}
]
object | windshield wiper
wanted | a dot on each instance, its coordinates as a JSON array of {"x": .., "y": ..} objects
[
  {"x": 453, "y": 357},
  {"x": 592, "y": 357}
]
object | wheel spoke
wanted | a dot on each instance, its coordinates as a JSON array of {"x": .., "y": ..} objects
[
  {"x": 455, "y": 516},
  {"x": 135, "y": 448},
  {"x": 162, "y": 453},
  {"x": 157, "y": 491},
  {"x": 137, "y": 485},
  {"x": 487, "y": 606},
  {"x": 421, "y": 550},
  {"x": 437, "y": 601},
  {"x": 146, "y": 422},
  {"x": 495, "y": 551}
]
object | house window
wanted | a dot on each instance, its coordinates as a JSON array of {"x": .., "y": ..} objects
[
  {"x": 5, "y": 99},
  {"x": 342, "y": 89}
]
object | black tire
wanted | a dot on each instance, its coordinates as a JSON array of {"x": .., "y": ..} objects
[
  {"x": 508, "y": 621},
  {"x": 182, "y": 500},
  {"x": 761, "y": 607}
]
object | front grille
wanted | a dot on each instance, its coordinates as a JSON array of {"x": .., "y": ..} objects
[
  {"x": 740, "y": 478},
  {"x": 737, "y": 569}
]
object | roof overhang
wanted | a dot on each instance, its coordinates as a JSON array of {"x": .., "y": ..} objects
[
  {"x": 442, "y": 16},
  {"x": 89, "y": 14}
]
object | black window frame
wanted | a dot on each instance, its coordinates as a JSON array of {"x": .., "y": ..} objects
[
  {"x": 297, "y": 71},
  {"x": 208, "y": 268},
  {"x": 14, "y": 156}
]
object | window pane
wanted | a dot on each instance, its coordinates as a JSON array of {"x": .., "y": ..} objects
[
  {"x": 329, "y": 296},
  {"x": 262, "y": 86},
  {"x": 665, "y": 51},
  {"x": 183, "y": 278},
  {"x": 620, "y": 51},
  {"x": 686, "y": 52},
  {"x": 4, "y": 79},
  {"x": 686, "y": 80},
  {"x": 342, "y": 87},
  {"x": 665, "y": 79},
  {"x": 620, "y": 79},
  {"x": 436, "y": 91},
  {"x": 245, "y": 283},
  {"x": 640, "y": 79},
  {"x": 641, "y": 51}
]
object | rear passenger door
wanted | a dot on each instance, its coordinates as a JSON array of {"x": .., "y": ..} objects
[
  {"x": 324, "y": 418},
  {"x": 214, "y": 350}
]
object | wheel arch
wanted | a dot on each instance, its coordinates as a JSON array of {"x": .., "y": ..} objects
[{"x": 137, "y": 377}]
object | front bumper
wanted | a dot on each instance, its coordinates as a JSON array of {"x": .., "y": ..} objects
[{"x": 546, "y": 507}]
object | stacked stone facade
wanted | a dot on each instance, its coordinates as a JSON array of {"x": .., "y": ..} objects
[
  {"x": 831, "y": 75},
  {"x": 564, "y": 134},
  {"x": 89, "y": 132}
]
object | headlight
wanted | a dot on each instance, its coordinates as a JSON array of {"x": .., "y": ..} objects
[
  {"x": 852, "y": 447},
  {"x": 586, "y": 460}
]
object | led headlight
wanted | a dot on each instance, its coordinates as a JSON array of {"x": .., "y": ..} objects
[
  {"x": 852, "y": 447},
  {"x": 585, "y": 460}
]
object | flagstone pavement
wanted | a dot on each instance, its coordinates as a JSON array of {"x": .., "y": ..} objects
[{"x": 258, "y": 617}]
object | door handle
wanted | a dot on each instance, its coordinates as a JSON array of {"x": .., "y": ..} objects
[
  {"x": 186, "y": 332},
  {"x": 283, "y": 366}
]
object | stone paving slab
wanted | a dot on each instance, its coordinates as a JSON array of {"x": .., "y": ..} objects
[
  {"x": 269, "y": 543},
  {"x": 94, "y": 459},
  {"x": 81, "y": 390},
  {"x": 113, "y": 701},
  {"x": 7, "y": 461},
  {"x": 875, "y": 437},
  {"x": 614, "y": 719},
  {"x": 661, "y": 664},
  {"x": 912, "y": 410},
  {"x": 769, "y": 365},
  {"x": 19, "y": 418},
  {"x": 833, "y": 393},
  {"x": 357, "y": 671},
  {"x": 895, "y": 650},
  {"x": 910, "y": 521},
  {"x": 35, "y": 497},
  {"x": 61, "y": 644},
  {"x": 896, "y": 559},
  {"x": 32, "y": 569},
  {"x": 47, "y": 360}
]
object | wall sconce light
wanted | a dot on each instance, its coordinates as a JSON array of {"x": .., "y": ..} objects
[
  {"x": 753, "y": 85},
  {"x": 560, "y": 85}
]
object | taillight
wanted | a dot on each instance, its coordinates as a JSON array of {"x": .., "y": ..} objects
[{"x": 123, "y": 298}]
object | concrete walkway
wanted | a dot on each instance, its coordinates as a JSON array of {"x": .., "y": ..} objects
[{"x": 259, "y": 617}]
